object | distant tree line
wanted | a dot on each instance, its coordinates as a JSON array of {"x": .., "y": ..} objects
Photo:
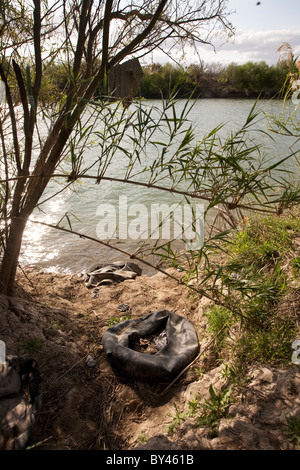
[{"x": 248, "y": 80}]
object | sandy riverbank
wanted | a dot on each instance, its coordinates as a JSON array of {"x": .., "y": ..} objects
[{"x": 92, "y": 407}]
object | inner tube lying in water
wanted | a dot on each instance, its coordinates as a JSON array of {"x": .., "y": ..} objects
[{"x": 180, "y": 349}]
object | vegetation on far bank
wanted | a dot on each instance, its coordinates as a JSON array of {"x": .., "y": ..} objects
[{"x": 249, "y": 80}]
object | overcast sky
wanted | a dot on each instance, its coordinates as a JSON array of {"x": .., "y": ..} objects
[{"x": 260, "y": 31}]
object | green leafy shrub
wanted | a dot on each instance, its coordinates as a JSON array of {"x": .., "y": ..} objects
[
  {"x": 218, "y": 317},
  {"x": 115, "y": 320}
]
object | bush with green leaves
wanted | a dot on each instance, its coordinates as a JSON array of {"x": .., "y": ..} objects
[
  {"x": 219, "y": 319},
  {"x": 292, "y": 429},
  {"x": 206, "y": 411}
]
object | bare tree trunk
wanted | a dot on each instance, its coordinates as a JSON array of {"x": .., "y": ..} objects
[{"x": 11, "y": 255}]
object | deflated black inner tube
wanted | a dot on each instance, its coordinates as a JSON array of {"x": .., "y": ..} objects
[{"x": 181, "y": 347}]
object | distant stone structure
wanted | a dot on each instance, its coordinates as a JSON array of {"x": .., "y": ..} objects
[{"x": 124, "y": 80}]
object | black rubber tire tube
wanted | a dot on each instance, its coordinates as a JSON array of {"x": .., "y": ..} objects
[{"x": 181, "y": 348}]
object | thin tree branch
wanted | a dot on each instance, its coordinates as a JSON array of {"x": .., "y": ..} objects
[
  {"x": 195, "y": 195},
  {"x": 81, "y": 37},
  {"x": 13, "y": 120},
  {"x": 23, "y": 94},
  {"x": 38, "y": 54},
  {"x": 6, "y": 198},
  {"x": 106, "y": 28},
  {"x": 28, "y": 130}
]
